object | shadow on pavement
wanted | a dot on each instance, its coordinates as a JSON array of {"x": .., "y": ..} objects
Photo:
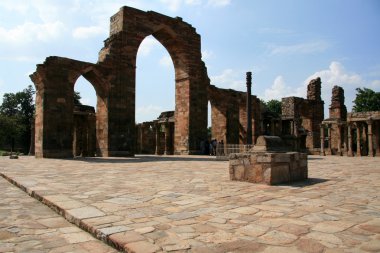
[
  {"x": 307, "y": 182},
  {"x": 143, "y": 158}
]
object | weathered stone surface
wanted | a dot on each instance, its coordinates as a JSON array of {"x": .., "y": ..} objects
[
  {"x": 141, "y": 247},
  {"x": 85, "y": 212},
  {"x": 268, "y": 168},
  {"x": 310, "y": 246}
]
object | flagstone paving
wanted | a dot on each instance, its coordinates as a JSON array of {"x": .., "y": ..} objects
[
  {"x": 28, "y": 226},
  {"x": 188, "y": 204}
]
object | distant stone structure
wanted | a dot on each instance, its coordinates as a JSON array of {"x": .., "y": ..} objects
[
  {"x": 157, "y": 137},
  {"x": 229, "y": 115},
  {"x": 351, "y": 134},
  {"x": 301, "y": 119},
  {"x": 113, "y": 78}
]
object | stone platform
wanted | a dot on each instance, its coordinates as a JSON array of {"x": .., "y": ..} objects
[
  {"x": 188, "y": 204},
  {"x": 268, "y": 167}
]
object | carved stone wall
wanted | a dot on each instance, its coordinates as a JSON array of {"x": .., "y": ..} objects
[
  {"x": 229, "y": 117},
  {"x": 113, "y": 78},
  {"x": 305, "y": 116}
]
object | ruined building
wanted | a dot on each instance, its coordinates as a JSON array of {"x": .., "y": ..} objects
[
  {"x": 113, "y": 78},
  {"x": 301, "y": 119},
  {"x": 351, "y": 134}
]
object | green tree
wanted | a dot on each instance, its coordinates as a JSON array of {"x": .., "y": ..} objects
[
  {"x": 17, "y": 111},
  {"x": 77, "y": 98},
  {"x": 274, "y": 107},
  {"x": 366, "y": 100}
]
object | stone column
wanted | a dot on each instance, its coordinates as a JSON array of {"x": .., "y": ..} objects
[
  {"x": 249, "y": 108},
  {"x": 358, "y": 133},
  {"x": 370, "y": 141},
  {"x": 167, "y": 138},
  {"x": 377, "y": 127},
  {"x": 339, "y": 139},
  {"x": 345, "y": 141},
  {"x": 272, "y": 127},
  {"x": 329, "y": 138},
  {"x": 349, "y": 144},
  {"x": 157, "y": 126},
  {"x": 322, "y": 140}
]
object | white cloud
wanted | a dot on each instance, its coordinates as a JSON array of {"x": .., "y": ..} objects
[
  {"x": 11, "y": 5},
  {"x": 29, "y": 32},
  {"x": 88, "y": 101},
  {"x": 375, "y": 84},
  {"x": 147, "y": 45},
  {"x": 147, "y": 113},
  {"x": 229, "y": 79},
  {"x": 336, "y": 74},
  {"x": 280, "y": 89},
  {"x": 218, "y": 3},
  {"x": 302, "y": 48},
  {"x": 166, "y": 61},
  {"x": 207, "y": 54},
  {"x": 193, "y": 2},
  {"x": 89, "y": 32},
  {"x": 21, "y": 58},
  {"x": 172, "y": 5}
]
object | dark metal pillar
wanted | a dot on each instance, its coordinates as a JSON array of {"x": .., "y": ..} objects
[{"x": 249, "y": 108}]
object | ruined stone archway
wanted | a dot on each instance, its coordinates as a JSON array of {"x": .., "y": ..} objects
[
  {"x": 114, "y": 78},
  {"x": 54, "y": 81}
]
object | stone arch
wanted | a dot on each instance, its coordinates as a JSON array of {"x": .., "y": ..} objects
[
  {"x": 54, "y": 81},
  {"x": 129, "y": 27},
  {"x": 114, "y": 80}
]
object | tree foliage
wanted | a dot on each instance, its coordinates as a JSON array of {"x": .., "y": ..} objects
[
  {"x": 77, "y": 98},
  {"x": 366, "y": 100},
  {"x": 272, "y": 108},
  {"x": 16, "y": 117}
]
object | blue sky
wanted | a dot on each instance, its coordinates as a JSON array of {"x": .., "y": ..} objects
[{"x": 284, "y": 43}]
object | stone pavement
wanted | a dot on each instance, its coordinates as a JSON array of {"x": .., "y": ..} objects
[
  {"x": 188, "y": 204},
  {"x": 28, "y": 226}
]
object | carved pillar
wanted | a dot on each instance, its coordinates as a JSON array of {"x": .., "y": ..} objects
[
  {"x": 322, "y": 140},
  {"x": 329, "y": 138},
  {"x": 349, "y": 135},
  {"x": 370, "y": 141},
  {"x": 157, "y": 126},
  {"x": 167, "y": 138},
  {"x": 358, "y": 133},
  {"x": 339, "y": 128},
  {"x": 345, "y": 140},
  {"x": 364, "y": 141}
]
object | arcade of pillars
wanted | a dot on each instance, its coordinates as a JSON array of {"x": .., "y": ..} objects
[
  {"x": 358, "y": 136},
  {"x": 351, "y": 134}
]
